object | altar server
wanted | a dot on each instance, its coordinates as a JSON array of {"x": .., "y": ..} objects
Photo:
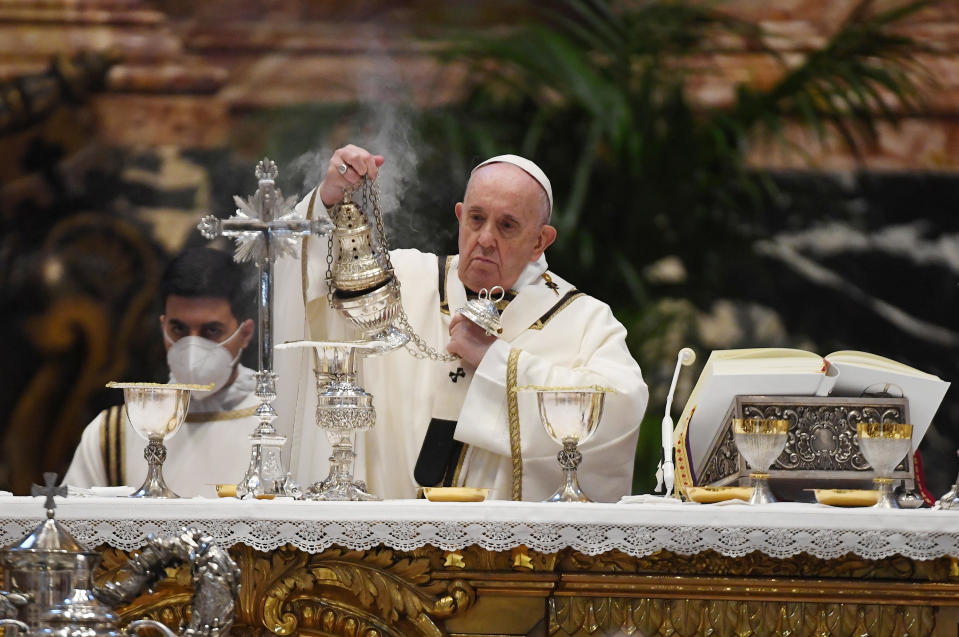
[
  {"x": 205, "y": 326},
  {"x": 458, "y": 423}
]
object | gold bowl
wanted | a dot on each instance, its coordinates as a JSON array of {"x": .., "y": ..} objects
[
  {"x": 455, "y": 494},
  {"x": 709, "y": 495},
  {"x": 847, "y": 497}
]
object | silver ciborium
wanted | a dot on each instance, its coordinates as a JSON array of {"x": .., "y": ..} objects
[
  {"x": 343, "y": 409},
  {"x": 760, "y": 441},
  {"x": 156, "y": 412},
  {"x": 570, "y": 416},
  {"x": 884, "y": 444}
]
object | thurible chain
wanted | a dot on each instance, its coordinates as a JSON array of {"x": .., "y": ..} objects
[{"x": 371, "y": 201}]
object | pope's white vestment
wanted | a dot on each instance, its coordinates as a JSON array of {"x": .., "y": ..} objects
[
  {"x": 211, "y": 447},
  {"x": 553, "y": 336}
]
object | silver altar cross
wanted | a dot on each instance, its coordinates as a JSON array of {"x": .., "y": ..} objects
[
  {"x": 264, "y": 227},
  {"x": 50, "y": 490}
]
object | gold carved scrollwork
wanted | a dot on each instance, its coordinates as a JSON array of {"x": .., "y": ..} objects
[
  {"x": 582, "y": 616},
  {"x": 339, "y": 592}
]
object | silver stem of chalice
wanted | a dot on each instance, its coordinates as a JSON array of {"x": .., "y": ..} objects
[
  {"x": 154, "y": 486},
  {"x": 884, "y": 445},
  {"x": 569, "y": 458},
  {"x": 760, "y": 441}
]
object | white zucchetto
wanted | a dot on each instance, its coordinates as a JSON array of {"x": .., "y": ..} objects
[{"x": 529, "y": 167}]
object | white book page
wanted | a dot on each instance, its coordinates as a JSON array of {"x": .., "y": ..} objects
[
  {"x": 728, "y": 375},
  {"x": 923, "y": 391}
]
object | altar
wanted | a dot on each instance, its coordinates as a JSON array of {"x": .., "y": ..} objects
[{"x": 413, "y": 567}]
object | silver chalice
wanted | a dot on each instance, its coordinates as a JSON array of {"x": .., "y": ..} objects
[
  {"x": 156, "y": 412},
  {"x": 760, "y": 441},
  {"x": 884, "y": 444},
  {"x": 570, "y": 416}
]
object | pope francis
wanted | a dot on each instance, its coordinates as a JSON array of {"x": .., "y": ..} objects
[{"x": 458, "y": 423}]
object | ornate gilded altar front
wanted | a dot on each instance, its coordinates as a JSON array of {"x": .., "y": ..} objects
[{"x": 417, "y": 568}]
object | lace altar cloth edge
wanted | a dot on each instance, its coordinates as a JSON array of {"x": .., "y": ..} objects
[{"x": 780, "y": 530}]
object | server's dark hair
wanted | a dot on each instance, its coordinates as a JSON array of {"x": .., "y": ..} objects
[{"x": 204, "y": 271}]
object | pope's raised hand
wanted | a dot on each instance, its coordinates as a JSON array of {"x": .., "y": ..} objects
[
  {"x": 468, "y": 340},
  {"x": 347, "y": 168}
]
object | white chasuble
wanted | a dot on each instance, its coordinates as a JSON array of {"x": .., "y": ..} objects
[{"x": 553, "y": 336}]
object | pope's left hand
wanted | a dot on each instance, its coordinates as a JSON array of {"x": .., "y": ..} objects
[{"x": 468, "y": 340}]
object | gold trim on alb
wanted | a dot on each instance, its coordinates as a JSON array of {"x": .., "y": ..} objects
[{"x": 515, "y": 451}]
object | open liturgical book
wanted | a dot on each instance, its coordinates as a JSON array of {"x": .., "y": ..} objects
[{"x": 793, "y": 372}]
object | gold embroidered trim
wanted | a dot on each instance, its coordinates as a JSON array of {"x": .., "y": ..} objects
[
  {"x": 459, "y": 465},
  {"x": 212, "y": 416},
  {"x": 444, "y": 298},
  {"x": 512, "y": 405},
  {"x": 541, "y": 322},
  {"x": 112, "y": 435},
  {"x": 104, "y": 429}
]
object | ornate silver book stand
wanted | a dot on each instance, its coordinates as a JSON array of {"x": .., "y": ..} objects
[{"x": 821, "y": 449}]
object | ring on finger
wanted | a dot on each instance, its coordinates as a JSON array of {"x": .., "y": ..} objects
[{"x": 342, "y": 168}]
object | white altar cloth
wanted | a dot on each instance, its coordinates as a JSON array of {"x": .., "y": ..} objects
[{"x": 779, "y": 530}]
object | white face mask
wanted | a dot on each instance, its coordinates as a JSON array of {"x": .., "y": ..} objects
[{"x": 195, "y": 360}]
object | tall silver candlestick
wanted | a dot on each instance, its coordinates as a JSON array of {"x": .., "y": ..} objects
[{"x": 264, "y": 227}]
